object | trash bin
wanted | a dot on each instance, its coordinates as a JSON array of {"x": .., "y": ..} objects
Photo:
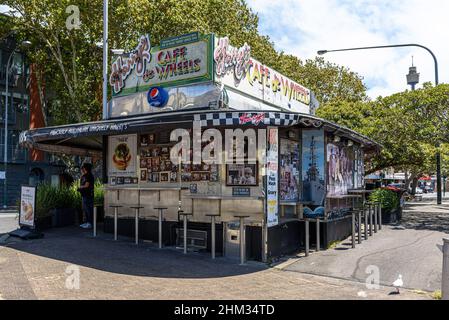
[{"x": 232, "y": 245}]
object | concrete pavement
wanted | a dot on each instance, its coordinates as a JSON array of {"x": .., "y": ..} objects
[
  {"x": 43, "y": 269},
  {"x": 409, "y": 249},
  {"x": 8, "y": 221}
]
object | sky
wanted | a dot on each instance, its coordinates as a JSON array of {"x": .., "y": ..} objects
[{"x": 302, "y": 27}]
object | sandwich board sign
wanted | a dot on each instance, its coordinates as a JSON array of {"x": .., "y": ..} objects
[
  {"x": 27, "y": 215},
  {"x": 27, "y": 207}
]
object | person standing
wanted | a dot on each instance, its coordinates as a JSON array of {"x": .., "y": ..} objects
[{"x": 87, "y": 194}]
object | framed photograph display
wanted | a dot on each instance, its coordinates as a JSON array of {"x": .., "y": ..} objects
[{"x": 242, "y": 175}]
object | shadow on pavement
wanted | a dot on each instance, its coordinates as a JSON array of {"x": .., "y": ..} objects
[
  {"x": 429, "y": 216},
  {"x": 76, "y": 246}
]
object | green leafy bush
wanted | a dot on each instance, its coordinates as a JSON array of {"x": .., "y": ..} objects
[
  {"x": 49, "y": 197},
  {"x": 387, "y": 198}
]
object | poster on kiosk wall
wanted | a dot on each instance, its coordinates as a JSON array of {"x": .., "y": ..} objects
[
  {"x": 122, "y": 155},
  {"x": 272, "y": 178},
  {"x": 27, "y": 207}
]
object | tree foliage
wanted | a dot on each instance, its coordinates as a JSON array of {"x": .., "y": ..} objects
[{"x": 70, "y": 62}]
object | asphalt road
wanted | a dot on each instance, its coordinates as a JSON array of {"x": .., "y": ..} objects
[{"x": 409, "y": 249}]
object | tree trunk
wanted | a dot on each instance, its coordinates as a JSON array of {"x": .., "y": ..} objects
[{"x": 414, "y": 185}]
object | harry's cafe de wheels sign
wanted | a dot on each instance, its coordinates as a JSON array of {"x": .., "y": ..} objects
[{"x": 195, "y": 58}]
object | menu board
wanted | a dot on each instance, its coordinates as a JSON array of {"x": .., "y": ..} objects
[
  {"x": 122, "y": 156},
  {"x": 27, "y": 206}
]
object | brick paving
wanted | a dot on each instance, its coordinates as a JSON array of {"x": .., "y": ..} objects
[{"x": 36, "y": 269}]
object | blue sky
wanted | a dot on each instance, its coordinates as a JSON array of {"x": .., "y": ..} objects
[{"x": 301, "y": 27}]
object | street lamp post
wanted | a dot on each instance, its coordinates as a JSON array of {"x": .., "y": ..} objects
[
  {"x": 5, "y": 155},
  {"x": 438, "y": 155}
]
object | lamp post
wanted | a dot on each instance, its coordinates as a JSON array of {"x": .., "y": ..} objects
[
  {"x": 438, "y": 155},
  {"x": 105, "y": 59},
  {"x": 5, "y": 155}
]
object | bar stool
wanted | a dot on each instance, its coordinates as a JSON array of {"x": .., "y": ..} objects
[
  {"x": 161, "y": 211},
  {"x": 185, "y": 216},
  {"x": 242, "y": 238},
  {"x": 115, "y": 219},
  {"x": 318, "y": 234},
  {"x": 212, "y": 216},
  {"x": 353, "y": 229},
  {"x": 359, "y": 225},
  {"x": 137, "y": 209}
]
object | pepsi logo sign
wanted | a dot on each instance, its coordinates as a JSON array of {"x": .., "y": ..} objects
[{"x": 157, "y": 97}]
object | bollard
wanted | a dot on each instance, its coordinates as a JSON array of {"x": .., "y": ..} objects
[
  {"x": 366, "y": 223},
  {"x": 445, "y": 275},
  {"x": 380, "y": 215},
  {"x": 95, "y": 221},
  {"x": 359, "y": 229},
  {"x": 307, "y": 236},
  {"x": 317, "y": 234},
  {"x": 375, "y": 217},
  {"x": 370, "y": 207},
  {"x": 353, "y": 230}
]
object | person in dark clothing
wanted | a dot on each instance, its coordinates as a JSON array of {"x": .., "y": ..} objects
[{"x": 87, "y": 193}]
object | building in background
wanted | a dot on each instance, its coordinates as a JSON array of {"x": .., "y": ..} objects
[{"x": 24, "y": 112}]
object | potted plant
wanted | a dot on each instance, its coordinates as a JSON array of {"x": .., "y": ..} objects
[
  {"x": 64, "y": 210},
  {"x": 389, "y": 202},
  {"x": 45, "y": 198}
]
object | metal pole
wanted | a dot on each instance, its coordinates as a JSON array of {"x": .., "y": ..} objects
[
  {"x": 137, "y": 226},
  {"x": 5, "y": 155},
  {"x": 359, "y": 231},
  {"x": 353, "y": 230},
  {"x": 317, "y": 234},
  {"x": 115, "y": 223},
  {"x": 242, "y": 241},
  {"x": 105, "y": 59},
  {"x": 95, "y": 221},
  {"x": 307, "y": 236},
  {"x": 375, "y": 218},
  {"x": 370, "y": 220},
  {"x": 366, "y": 223},
  {"x": 213, "y": 236},
  {"x": 380, "y": 215},
  {"x": 160, "y": 229},
  {"x": 185, "y": 234},
  {"x": 445, "y": 276}
]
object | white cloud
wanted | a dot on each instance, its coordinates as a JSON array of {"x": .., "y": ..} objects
[{"x": 301, "y": 27}]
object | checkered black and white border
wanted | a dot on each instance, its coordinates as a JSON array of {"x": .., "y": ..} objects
[{"x": 247, "y": 118}]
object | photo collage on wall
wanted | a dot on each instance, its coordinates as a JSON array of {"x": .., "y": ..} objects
[
  {"x": 289, "y": 167},
  {"x": 156, "y": 166}
]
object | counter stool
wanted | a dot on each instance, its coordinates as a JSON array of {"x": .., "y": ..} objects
[
  {"x": 212, "y": 216},
  {"x": 307, "y": 237},
  {"x": 161, "y": 211},
  {"x": 370, "y": 212},
  {"x": 137, "y": 210},
  {"x": 359, "y": 225},
  {"x": 115, "y": 219},
  {"x": 185, "y": 217},
  {"x": 365, "y": 221},
  {"x": 242, "y": 238}
]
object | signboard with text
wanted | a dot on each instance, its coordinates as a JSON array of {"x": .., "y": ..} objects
[
  {"x": 27, "y": 207},
  {"x": 178, "y": 61},
  {"x": 272, "y": 177},
  {"x": 236, "y": 70}
]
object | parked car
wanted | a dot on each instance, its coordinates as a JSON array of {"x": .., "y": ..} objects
[{"x": 428, "y": 189}]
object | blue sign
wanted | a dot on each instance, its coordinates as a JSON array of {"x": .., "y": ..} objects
[{"x": 157, "y": 97}]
